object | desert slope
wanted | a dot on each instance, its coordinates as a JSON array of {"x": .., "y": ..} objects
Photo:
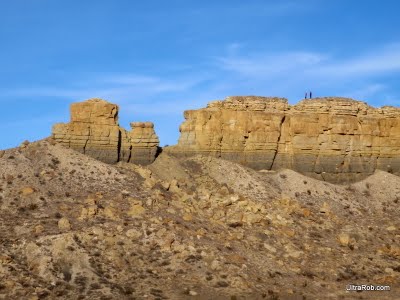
[{"x": 200, "y": 227}]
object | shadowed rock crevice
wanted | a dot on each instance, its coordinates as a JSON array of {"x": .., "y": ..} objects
[
  {"x": 119, "y": 146},
  {"x": 278, "y": 143},
  {"x": 94, "y": 130}
]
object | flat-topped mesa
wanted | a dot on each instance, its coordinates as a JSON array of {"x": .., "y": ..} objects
[
  {"x": 336, "y": 105},
  {"x": 94, "y": 130},
  {"x": 251, "y": 103},
  {"x": 336, "y": 139}
]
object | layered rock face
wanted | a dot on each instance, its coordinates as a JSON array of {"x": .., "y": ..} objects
[
  {"x": 141, "y": 143},
  {"x": 335, "y": 139},
  {"x": 94, "y": 131}
]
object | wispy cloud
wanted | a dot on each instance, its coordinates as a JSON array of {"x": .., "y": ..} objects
[
  {"x": 263, "y": 65},
  {"x": 150, "y": 83},
  {"x": 17, "y": 124},
  {"x": 365, "y": 91},
  {"x": 269, "y": 65},
  {"x": 110, "y": 86},
  {"x": 288, "y": 73},
  {"x": 238, "y": 71},
  {"x": 380, "y": 61}
]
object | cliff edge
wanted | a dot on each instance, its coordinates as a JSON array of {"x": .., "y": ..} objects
[{"x": 332, "y": 138}]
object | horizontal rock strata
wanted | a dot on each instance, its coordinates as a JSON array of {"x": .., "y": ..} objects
[
  {"x": 335, "y": 139},
  {"x": 141, "y": 143},
  {"x": 94, "y": 131}
]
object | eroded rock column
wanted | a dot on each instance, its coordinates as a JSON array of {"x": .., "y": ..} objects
[{"x": 94, "y": 130}]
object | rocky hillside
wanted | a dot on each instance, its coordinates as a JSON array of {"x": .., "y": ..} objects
[
  {"x": 200, "y": 227},
  {"x": 334, "y": 139}
]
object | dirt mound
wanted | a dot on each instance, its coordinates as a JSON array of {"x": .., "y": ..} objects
[{"x": 203, "y": 228}]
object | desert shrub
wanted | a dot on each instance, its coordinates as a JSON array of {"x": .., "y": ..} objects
[
  {"x": 55, "y": 160},
  {"x": 81, "y": 280},
  {"x": 9, "y": 178},
  {"x": 33, "y": 206},
  {"x": 366, "y": 193},
  {"x": 95, "y": 286}
]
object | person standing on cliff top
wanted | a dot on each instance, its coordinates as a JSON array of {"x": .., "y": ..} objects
[
  {"x": 305, "y": 97},
  {"x": 310, "y": 94}
]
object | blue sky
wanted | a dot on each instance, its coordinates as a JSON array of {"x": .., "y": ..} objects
[{"x": 158, "y": 58}]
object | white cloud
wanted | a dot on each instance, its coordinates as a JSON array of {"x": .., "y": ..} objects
[
  {"x": 110, "y": 86},
  {"x": 383, "y": 60},
  {"x": 312, "y": 64},
  {"x": 287, "y": 74},
  {"x": 365, "y": 91},
  {"x": 155, "y": 84},
  {"x": 269, "y": 65},
  {"x": 292, "y": 73}
]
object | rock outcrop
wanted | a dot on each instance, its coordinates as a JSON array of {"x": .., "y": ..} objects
[
  {"x": 94, "y": 130},
  {"x": 141, "y": 143},
  {"x": 335, "y": 139}
]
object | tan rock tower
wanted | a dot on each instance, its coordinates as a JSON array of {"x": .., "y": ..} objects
[
  {"x": 94, "y": 130},
  {"x": 141, "y": 143}
]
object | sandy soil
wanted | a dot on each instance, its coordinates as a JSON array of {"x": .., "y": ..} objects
[{"x": 196, "y": 228}]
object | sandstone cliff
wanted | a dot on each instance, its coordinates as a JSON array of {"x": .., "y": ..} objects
[
  {"x": 335, "y": 139},
  {"x": 94, "y": 131},
  {"x": 141, "y": 143}
]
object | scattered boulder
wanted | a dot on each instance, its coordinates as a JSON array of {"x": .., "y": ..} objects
[
  {"x": 133, "y": 234},
  {"x": 136, "y": 210},
  {"x": 344, "y": 239},
  {"x": 38, "y": 229},
  {"x": 26, "y": 191},
  {"x": 64, "y": 224}
]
